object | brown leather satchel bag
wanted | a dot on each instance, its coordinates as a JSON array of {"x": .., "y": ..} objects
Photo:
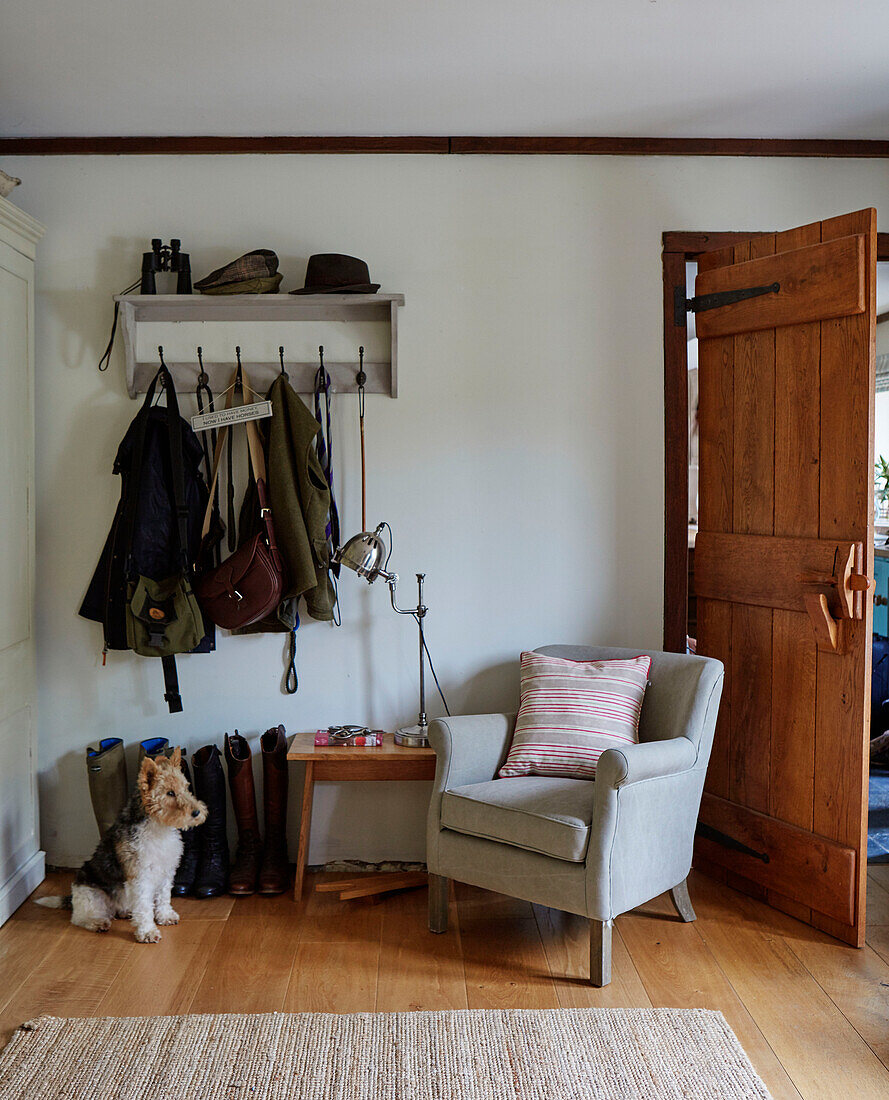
[{"x": 248, "y": 584}]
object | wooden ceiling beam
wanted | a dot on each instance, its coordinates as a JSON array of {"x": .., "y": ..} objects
[
  {"x": 478, "y": 145},
  {"x": 197, "y": 145}
]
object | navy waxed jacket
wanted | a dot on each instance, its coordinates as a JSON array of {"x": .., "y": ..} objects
[{"x": 155, "y": 549}]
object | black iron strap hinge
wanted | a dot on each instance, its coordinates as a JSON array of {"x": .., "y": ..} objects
[
  {"x": 709, "y": 833},
  {"x": 703, "y": 302}
]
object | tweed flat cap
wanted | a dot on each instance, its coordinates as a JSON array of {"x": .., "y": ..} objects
[
  {"x": 261, "y": 264},
  {"x": 268, "y": 285}
]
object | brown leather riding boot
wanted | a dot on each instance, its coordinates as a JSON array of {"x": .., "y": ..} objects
[
  {"x": 274, "y": 878},
  {"x": 245, "y": 869}
]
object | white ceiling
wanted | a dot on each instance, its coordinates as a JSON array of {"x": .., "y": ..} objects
[{"x": 662, "y": 68}]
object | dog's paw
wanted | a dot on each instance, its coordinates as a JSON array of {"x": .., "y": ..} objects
[
  {"x": 96, "y": 924},
  {"x": 169, "y": 916},
  {"x": 123, "y": 914},
  {"x": 148, "y": 935}
]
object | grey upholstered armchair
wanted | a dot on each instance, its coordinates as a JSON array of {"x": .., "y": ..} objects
[{"x": 597, "y": 848}]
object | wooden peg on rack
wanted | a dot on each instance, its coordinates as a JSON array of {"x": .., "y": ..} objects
[
  {"x": 322, "y": 379},
  {"x": 239, "y": 381},
  {"x": 163, "y": 366}
]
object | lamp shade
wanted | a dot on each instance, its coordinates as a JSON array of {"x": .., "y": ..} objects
[{"x": 364, "y": 553}]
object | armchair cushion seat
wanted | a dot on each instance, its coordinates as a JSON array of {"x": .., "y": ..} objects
[{"x": 540, "y": 814}]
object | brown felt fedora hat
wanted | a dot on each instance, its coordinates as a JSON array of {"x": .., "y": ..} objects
[{"x": 333, "y": 273}]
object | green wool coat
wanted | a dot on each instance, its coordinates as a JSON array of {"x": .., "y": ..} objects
[{"x": 300, "y": 500}]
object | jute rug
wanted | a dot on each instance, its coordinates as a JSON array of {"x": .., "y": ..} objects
[{"x": 559, "y": 1054}]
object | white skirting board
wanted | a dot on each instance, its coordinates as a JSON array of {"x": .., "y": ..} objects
[{"x": 20, "y": 883}]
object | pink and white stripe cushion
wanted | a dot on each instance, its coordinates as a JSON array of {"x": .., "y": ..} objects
[{"x": 572, "y": 711}]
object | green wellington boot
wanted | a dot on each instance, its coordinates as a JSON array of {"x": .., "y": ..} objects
[
  {"x": 154, "y": 747},
  {"x": 106, "y": 770}
]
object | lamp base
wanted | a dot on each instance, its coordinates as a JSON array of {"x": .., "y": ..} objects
[{"x": 412, "y": 737}]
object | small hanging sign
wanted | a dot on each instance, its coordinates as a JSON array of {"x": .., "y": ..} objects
[{"x": 259, "y": 410}]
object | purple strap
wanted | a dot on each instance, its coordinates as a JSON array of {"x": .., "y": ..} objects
[{"x": 324, "y": 447}]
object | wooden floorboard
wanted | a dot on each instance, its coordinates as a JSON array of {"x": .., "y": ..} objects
[
  {"x": 164, "y": 981},
  {"x": 812, "y": 1013},
  {"x": 857, "y": 981},
  {"x": 506, "y": 965},
  {"x": 879, "y": 873},
  {"x": 796, "y": 1016},
  {"x": 251, "y": 966},
  {"x": 878, "y": 893},
  {"x": 878, "y": 940},
  {"x": 419, "y": 971},
  {"x": 70, "y": 980},
  {"x": 566, "y": 941},
  {"x": 339, "y": 976},
  {"x": 31, "y": 935},
  {"x": 678, "y": 971}
]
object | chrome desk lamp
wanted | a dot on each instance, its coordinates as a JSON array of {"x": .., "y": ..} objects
[{"x": 367, "y": 555}]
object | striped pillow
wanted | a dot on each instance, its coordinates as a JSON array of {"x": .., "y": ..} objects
[{"x": 572, "y": 711}]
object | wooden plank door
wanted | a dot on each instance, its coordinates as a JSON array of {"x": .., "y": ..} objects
[{"x": 785, "y": 544}]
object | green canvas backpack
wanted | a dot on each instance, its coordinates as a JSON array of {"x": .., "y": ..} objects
[{"x": 163, "y": 617}]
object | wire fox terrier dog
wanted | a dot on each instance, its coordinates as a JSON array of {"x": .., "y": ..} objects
[{"x": 130, "y": 874}]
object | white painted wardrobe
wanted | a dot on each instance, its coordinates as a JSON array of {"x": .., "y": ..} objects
[{"x": 21, "y": 861}]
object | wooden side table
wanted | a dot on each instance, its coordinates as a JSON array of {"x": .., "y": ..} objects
[{"x": 349, "y": 765}]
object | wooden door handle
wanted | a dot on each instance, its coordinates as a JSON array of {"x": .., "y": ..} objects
[
  {"x": 830, "y": 633},
  {"x": 845, "y": 581}
]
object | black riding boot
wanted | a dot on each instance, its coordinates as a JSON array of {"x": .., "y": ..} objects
[
  {"x": 183, "y": 883},
  {"x": 209, "y": 786}
]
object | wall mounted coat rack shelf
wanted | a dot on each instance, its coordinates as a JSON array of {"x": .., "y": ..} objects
[{"x": 181, "y": 322}]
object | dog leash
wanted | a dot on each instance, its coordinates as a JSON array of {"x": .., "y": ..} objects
[
  {"x": 291, "y": 680},
  {"x": 325, "y": 453},
  {"x": 106, "y": 354},
  {"x": 238, "y": 388},
  {"x": 203, "y": 387}
]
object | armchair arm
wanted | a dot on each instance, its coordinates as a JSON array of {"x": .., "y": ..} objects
[
  {"x": 644, "y": 815},
  {"x": 470, "y": 747},
  {"x": 647, "y": 760},
  {"x": 469, "y": 750}
]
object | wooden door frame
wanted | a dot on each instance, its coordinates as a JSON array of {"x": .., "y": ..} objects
[{"x": 680, "y": 248}]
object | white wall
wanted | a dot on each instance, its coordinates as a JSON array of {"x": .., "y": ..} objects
[{"x": 521, "y": 466}]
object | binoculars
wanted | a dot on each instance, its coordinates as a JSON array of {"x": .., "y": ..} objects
[{"x": 164, "y": 257}]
